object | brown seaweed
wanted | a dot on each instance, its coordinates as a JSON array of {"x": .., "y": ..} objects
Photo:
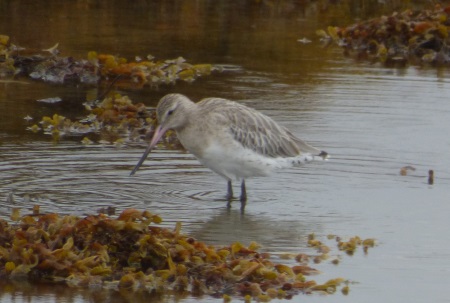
[
  {"x": 131, "y": 252},
  {"x": 48, "y": 66},
  {"x": 417, "y": 37}
]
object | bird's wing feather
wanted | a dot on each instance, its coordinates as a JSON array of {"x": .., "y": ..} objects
[{"x": 257, "y": 131}]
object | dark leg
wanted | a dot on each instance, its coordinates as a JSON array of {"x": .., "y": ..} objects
[
  {"x": 229, "y": 191},
  {"x": 229, "y": 194},
  {"x": 243, "y": 192},
  {"x": 243, "y": 196}
]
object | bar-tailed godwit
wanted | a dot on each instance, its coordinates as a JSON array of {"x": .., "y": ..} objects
[{"x": 231, "y": 139}]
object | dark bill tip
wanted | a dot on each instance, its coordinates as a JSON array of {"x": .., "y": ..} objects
[{"x": 144, "y": 156}]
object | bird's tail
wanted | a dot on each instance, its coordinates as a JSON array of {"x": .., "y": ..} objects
[
  {"x": 323, "y": 155},
  {"x": 315, "y": 153}
]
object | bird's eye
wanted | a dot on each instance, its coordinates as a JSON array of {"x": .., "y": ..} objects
[{"x": 170, "y": 112}]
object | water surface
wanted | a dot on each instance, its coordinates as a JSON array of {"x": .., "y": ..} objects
[{"x": 372, "y": 120}]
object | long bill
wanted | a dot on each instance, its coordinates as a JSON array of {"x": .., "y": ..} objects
[{"x": 156, "y": 136}]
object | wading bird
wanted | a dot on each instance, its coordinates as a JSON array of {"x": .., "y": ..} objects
[{"x": 231, "y": 139}]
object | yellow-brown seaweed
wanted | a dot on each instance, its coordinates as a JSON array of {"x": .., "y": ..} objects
[
  {"x": 130, "y": 252},
  {"x": 414, "y": 36}
]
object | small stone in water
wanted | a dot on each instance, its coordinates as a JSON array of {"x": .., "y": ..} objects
[{"x": 50, "y": 100}]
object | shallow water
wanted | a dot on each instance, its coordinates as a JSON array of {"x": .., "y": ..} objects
[{"x": 372, "y": 120}]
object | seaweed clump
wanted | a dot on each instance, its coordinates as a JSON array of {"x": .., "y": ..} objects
[
  {"x": 408, "y": 37},
  {"x": 48, "y": 66},
  {"x": 114, "y": 120},
  {"x": 131, "y": 253}
]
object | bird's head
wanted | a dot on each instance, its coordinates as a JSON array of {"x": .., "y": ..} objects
[{"x": 172, "y": 113}]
